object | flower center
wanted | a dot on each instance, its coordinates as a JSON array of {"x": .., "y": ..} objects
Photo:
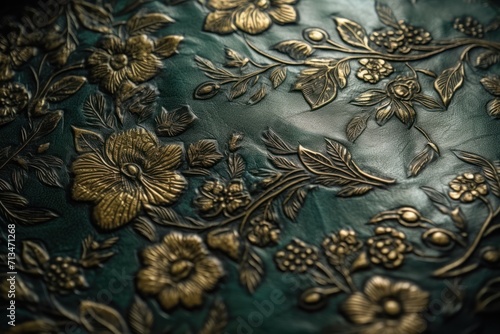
[
  {"x": 181, "y": 269},
  {"x": 119, "y": 61},
  {"x": 264, "y": 4},
  {"x": 392, "y": 307},
  {"x": 132, "y": 170},
  {"x": 401, "y": 91}
]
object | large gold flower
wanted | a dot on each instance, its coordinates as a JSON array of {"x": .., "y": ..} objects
[
  {"x": 13, "y": 53},
  {"x": 117, "y": 61},
  {"x": 251, "y": 16},
  {"x": 134, "y": 170},
  {"x": 178, "y": 270},
  {"x": 387, "y": 307}
]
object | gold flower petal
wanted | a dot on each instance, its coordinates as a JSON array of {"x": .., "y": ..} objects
[
  {"x": 415, "y": 300},
  {"x": 225, "y": 4},
  {"x": 220, "y": 22},
  {"x": 385, "y": 112},
  {"x": 359, "y": 309},
  {"x": 93, "y": 178},
  {"x": 283, "y": 14},
  {"x": 151, "y": 280},
  {"x": 139, "y": 47},
  {"x": 116, "y": 209},
  {"x": 112, "y": 43},
  {"x": 164, "y": 188},
  {"x": 378, "y": 288},
  {"x": 128, "y": 145},
  {"x": 169, "y": 297},
  {"x": 411, "y": 323},
  {"x": 144, "y": 69},
  {"x": 251, "y": 19},
  {"x": 282, "y": 2}
]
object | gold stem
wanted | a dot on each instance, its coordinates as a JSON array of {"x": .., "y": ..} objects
[{"x": 444, "y": 270}]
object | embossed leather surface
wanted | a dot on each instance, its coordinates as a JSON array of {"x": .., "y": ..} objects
[{"x": 241, "y": 166}]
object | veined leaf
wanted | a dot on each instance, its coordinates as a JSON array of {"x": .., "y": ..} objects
[
  {"x": 352, "y": 33},
  {"x": 449, "y": 81},
  {"x": 298, "y": 50}
]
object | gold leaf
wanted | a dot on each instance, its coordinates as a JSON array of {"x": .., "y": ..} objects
[
  {"x": 352, "y": 33},
  {"x": 93, "y": 17},
  {"x": 491, "y": 84},
  {"x": 282, "y": 163},
  {"x": 34, "y": 255},
  {"x": 99, "y": 318},
  {"x": 356, "y": 126},
  {"x": 487, "y": 58},
  {"x": 216, "y": 320},
  {"x": 48, "y": 124},
  {"x": 385, "y": 15},
  {"x": 449, "y": 81},
  {"x": 493, "y": 108},
  {"x": 315, "y": 162},
  {"x": 236, "y": 165},
  {"x": 361, "y": 262},
  {"x": 275, "y": 144},
  {"x": 234, "y": 58},
  {"x": 86, "y": 140},
  {"x": 277, "y": 76},
  {"x": 421, "y": 160},
  {"x": 342, "y": 72},
  {"x": 294, "y": 202},
  {"x": 173, "y": 123},
  {"x": 298, "y": 50},
  {"x": 258, "y": 96},
  {"x": 317, "y": 86},
  {"x": 34, "y": 327},
  {"x": 238, "y": 89},
  {"x": 370, "y": 97},
  {"x": 251, "y": 270},
  {"x": 356, "y": 190},
  {"x": 147, "y": 23},
  {"x": 488, "y": 298},
  {"x": 65, "y": 87},
  {"x": 145, "y": 228},
  {"x": 94, "y": 110},
  {"x": 204, "y": 153},
  {"x": 167, "y": 46},
  {"x": 140, "y": 317}
]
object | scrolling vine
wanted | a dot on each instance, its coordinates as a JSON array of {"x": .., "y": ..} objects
[
  {"x": 327, "y": 62},
  {"x": 135, "y": 175}
]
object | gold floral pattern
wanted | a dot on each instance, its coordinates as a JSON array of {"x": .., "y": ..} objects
[
  {"x": 296, "y": 257},
  {"x": 403, "y": 38},
  {"x": 64, "y": 275},
  {"x": 388, "y": 247},
  {"x": 250, "y": 16},
  {"x": 387, "y": 307},
  {"x": 118, "y": 60},
  {"x": 13, "y": 53},
  {"x": 338, "y": 246},
  {"x": 231, "y": 212},
  {"x": 13, "y": 100},
  {"x": 372, "y": 70},
  {"x": 216, "y": 198},
  {"x": 179, "y": 270},
  {"x": 468, "y": 187},
  {"x": 397, "y": 99},
  {"x": 263, "y": 232},
  {"x": 132, "y": 171}
]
